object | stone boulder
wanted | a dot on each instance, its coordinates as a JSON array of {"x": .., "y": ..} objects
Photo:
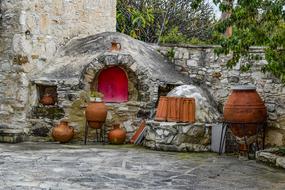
[
  {"x": 270, "y": 157},
  {"x": 205, "y": 112}
]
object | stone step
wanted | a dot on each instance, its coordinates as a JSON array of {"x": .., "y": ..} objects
[{"x": 8, "y": 135}]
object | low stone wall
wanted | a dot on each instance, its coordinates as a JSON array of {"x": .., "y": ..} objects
[
  {"x": 172, "y": 136},
  {"x": 43, "y": 119},
  {"x": 210, "y": 72},
  {"x": 270, "y": 157}
]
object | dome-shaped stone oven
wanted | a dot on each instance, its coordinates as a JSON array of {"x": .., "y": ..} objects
[
  {"x": 81, "y": 61},
  {"x": 129, "y": 77}
]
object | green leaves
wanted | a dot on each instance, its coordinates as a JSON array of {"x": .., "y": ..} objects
[
  {"x": 153, "y": 20},
  {"x": 255, "y": 23},
  {"x": 134, "y": 21}
]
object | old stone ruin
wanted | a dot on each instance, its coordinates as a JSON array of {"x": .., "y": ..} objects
[{"x": 57, "y": 48}]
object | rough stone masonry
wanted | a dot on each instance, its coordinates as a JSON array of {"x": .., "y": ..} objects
[
  {"x": 209, "y": 71},
  {"x": 31, "y": 32}
]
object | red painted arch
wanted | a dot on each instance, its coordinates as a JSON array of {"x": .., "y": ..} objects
[{"x": 113, "y": 83}]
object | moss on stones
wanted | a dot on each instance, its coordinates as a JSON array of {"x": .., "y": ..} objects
[{"x": 54, "y": 113}]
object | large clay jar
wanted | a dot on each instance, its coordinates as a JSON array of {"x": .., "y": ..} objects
[
  {"x": 63, "y": 132},
  {"x": 47, "y": 100},
  {"x": 96, "y": 113},
  {"x": 245, "y": 106},
  {"x": 117, "y": 135}
]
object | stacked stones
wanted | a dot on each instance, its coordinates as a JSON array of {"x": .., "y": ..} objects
[
  {"x": 31, "y": 32},
  {"x": 194, "y": 137},
  {"x": 13, "y": 83},
  {"x": 74, "y": 71},
  {"x": 172, "y": 136},
  {"x": 210, "y": 72}
]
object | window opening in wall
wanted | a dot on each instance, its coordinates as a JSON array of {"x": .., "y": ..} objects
[{"x": 47, "y": 95}]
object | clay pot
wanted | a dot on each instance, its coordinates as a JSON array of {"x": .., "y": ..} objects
[
  {"x": 47, "y": 100},
  {"x": 96, "y": 113},
  {"x": 62, "y": 132},
  {"x": 187, "y": 110},
  {"x": 115, "y": 46},
  {"x": 161, "y": 113},
  {"x": 117, "y": 135},
  {"x": 244, "y": 105}
]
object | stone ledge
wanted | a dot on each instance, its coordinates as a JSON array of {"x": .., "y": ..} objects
[
  {"x": 267, "y": 156},
  {"x": 172, "y": 136},
  {"x": 189, "y": 46},
  {"x": 11, "y": 137}
]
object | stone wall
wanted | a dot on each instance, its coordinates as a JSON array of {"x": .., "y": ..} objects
[
  {"x": 172, "y": 136},
  {"x": 210, "y": 72},
  {"x": 46, "y": 25},
  {"x": 31, "y": 32},
  {"x": 13, "y": 83},
  {"x": 74, "y": 72},
  {"x": 72, "y": 97}
]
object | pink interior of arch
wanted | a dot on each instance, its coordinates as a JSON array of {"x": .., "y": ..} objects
[{"x": 113, "y": 83}]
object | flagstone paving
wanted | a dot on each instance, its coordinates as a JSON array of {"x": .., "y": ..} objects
[{"x": 56, "y": 166}]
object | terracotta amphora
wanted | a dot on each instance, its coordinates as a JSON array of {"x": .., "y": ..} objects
[
  {"x": 63, "y": 132},
  {"x": 117, "y": 135},
  {"x": 96, "y": 113},
  {"x": 47, "y": 100},
  {"x": 244, "y": 106}
]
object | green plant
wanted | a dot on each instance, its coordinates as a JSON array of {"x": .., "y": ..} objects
[
  {"x": 254, "y": 23},
  {"x": 149, "y": 20},
  {"x": 281, "y": 151},
  {"x": 96, "y": 94},
  {"x": 173, "y": 37},
  {"x": 170, "y": 53}
]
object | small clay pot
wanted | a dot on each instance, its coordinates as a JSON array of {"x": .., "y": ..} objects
[
  {"x": 115, "y": 46},
  {"x": 47, "y": 100},
  {"x": 63, "y": 132},
  {"x": 117, "y": 135}
]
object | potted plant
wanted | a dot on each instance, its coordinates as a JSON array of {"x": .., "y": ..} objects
[
  {"x": 96, "y": 110},
  {"x": 95, "y": 96}
]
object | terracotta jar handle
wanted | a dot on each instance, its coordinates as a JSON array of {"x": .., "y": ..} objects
[{"x": 116, "y": 126}]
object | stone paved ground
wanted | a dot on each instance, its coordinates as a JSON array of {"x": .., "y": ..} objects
[{"x": 54, "y": 166}]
